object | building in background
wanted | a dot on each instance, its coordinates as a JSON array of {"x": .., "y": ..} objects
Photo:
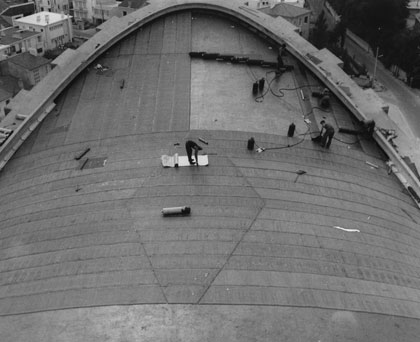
[
  {"x": 9, "y": 87},
  {"x": 414, "y": 14},
  {"x": 128, "y": 6},
  {"x": 56, "y": 6},
  {"x": 28, "y": 68},
  {"x": 257, "y": 4},
  {"x": 296, "y": 15},
  {"x": 82, "y": 11},
  {"x": 15, "y": 11},
  {"x": 103, "y": 10},
  {"x": 56, "y": 29},
  {"x": 14, "y": 41}
]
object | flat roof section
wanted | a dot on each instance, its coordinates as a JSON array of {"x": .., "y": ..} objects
[{"x": 217, "y": 101}]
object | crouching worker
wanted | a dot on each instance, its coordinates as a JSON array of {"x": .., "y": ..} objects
[
  {"x": 327, "y": 134},
  {"x": 190, "y": 146}
]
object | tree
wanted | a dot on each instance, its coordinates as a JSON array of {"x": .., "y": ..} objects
[
  {"x": 319, "y": 35},
  {"x": 382, "y": 23},
  {"x": 338, "y": 34},
  {"x": 407, "y": 54}
]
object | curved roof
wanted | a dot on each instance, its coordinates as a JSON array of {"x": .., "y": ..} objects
[{"x": 296, "y": 241}]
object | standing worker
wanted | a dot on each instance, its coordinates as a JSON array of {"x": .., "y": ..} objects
[
  {"x": 280, "y": 63},
  {"x": 327, "y": 133},
  {"x": 190, "y": 146}
]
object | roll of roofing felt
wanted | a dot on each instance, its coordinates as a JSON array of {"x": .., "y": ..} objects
[
  {"x": 5, "y": 130},
  {"x": 21, "y": 116},
  {"x": 176, "y": 211}
]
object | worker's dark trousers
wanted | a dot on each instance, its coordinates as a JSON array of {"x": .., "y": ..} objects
[
  {"x": 189, "y": 153},
  {"x": 326, "y": 139}
]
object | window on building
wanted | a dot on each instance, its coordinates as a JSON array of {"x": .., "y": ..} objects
[
  {"x": 305, "y": 20},
  {"x": 124, "y": 13},
  {"x": 37, "y": 78}
]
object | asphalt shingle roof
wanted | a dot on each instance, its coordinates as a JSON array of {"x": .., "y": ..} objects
[{"x": 264, "y": 240}]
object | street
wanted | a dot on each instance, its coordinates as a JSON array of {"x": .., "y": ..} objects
[{"x": 396, "y": 91}]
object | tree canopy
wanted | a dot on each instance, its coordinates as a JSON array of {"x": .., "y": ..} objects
[
  {"x": 382, "y": 23},
  {"x": 373, "y": 20}
]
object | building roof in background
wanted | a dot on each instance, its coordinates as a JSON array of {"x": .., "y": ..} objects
[
  {"x": 316, "y": 6},
  {"x": 6, "y": 4},
  {"x": 8, "y": 87},
  {"x": 13, "y": 34},
  {"x": 285, "y": 10},
  {"x": 298, "y": 3},
  {"x": 4, "y": 94},
  {"x": 43, "y": 18},
  {"x": 133, "y": 3},
  {"x": 5, "y": 22},
  {"x": 28, "y": 61},
  {"x": 25, "y": 9},
  {"x": 3, "y": 5}
]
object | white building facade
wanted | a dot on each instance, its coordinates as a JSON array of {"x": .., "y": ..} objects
[
  {"x": 103, "y": 10},
  {"x": 56, "y": 28},
  {"x": 14, "y": 41},
  {"x": 94, "y": 11},
  {"x": 83, "y": 10},
  {"x": 56, "y": 6}
]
